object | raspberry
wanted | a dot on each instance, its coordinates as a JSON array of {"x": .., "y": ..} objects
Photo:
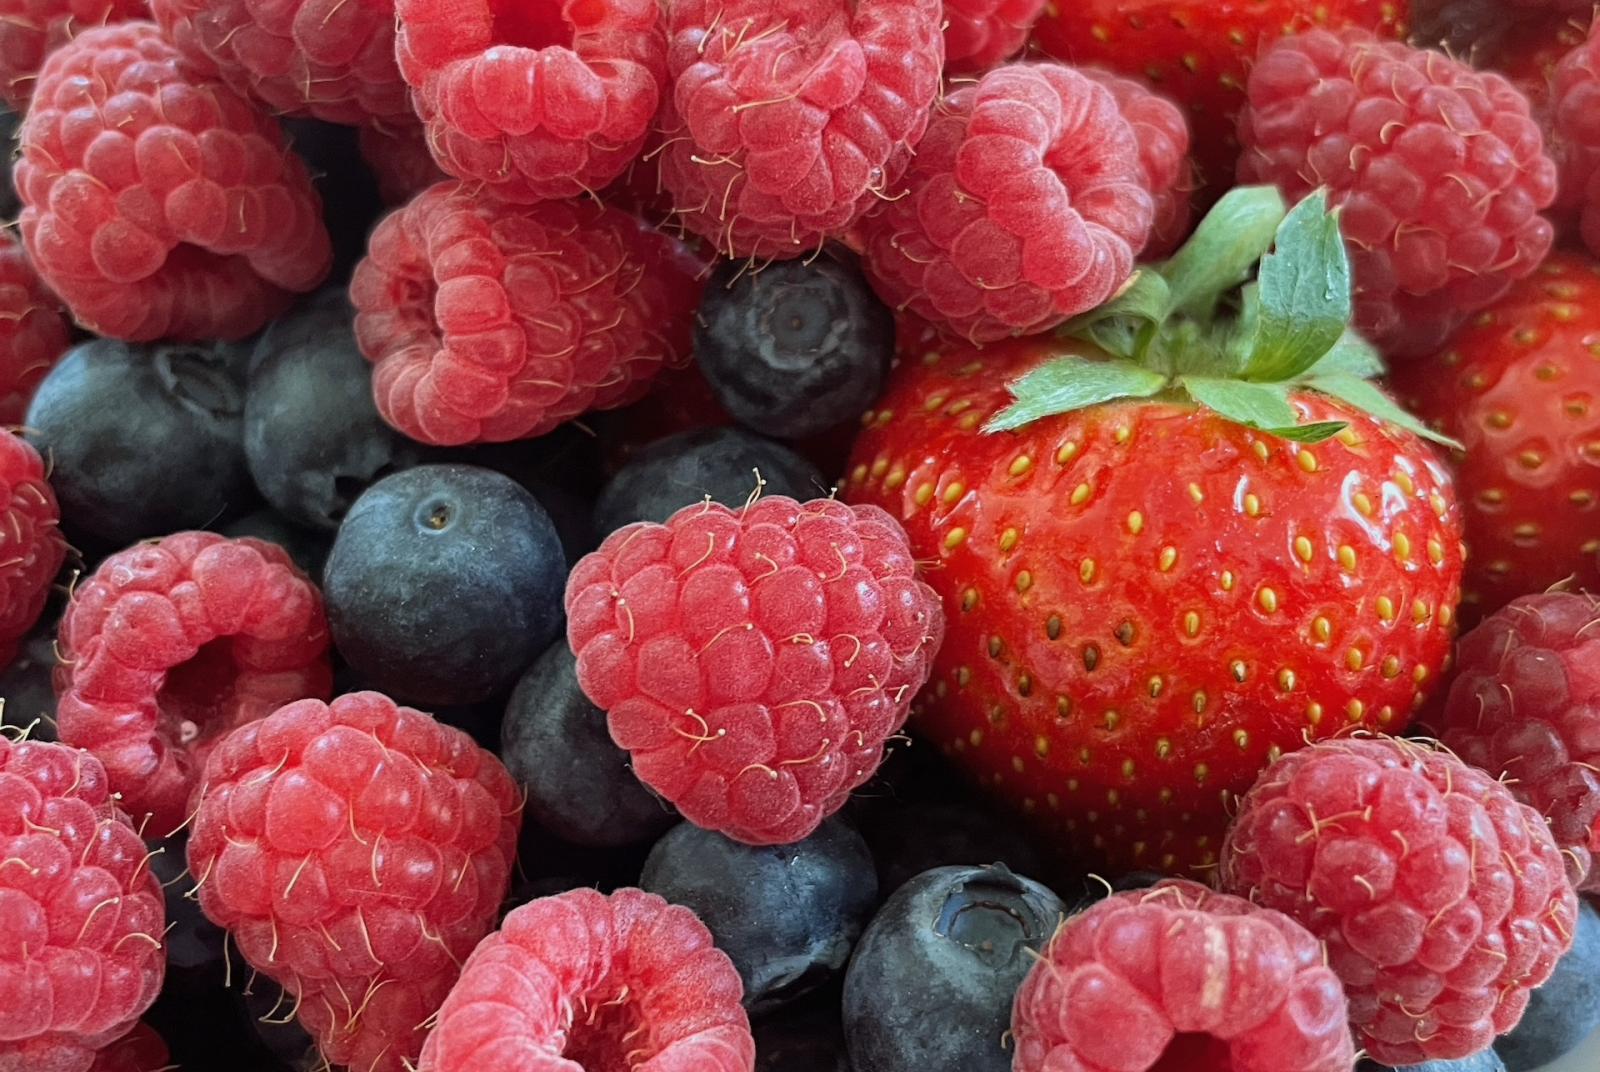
[
  {"x": 328, "y": 59},
  {"x": 1441, "y": 899},
  {"x": 158, "y": 203},
  {"x": 356, "y": 851},
  {"x": 491, "y": 322},
  {"x": 81, "y": 913},
  {"x": 1525, "y": 706},
  {"x": 534, "y": 101},
  {"x": 169, "y": 645},
  {"x": 1575, "y": 119},
  {"x": 140, "y": 1051},
  {"x": 1163, "y": 134},
  {"x": 587, "y": 981},
  {"x": 754, "y": 661},
  {"x": 1026, "y": 205},
  {"x": 33, "y": 333},
  {"x": 790, "y": 118},
  {"x": 31, "y": 545},
  {"x": 1439, "y": 172},
  {"x": 400, "y": 160},
  {"x": 979, "y": 34},
  {"x": 1177, "y": 976},
  {"x": 32, "y": 29}
]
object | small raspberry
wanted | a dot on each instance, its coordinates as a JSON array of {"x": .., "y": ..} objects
[
  {"x": 169, "y": 645},
  {"x": 356, "y": 851},
  {"x": 81, "y": 915},
  {"x": 328, "y": 59},
  {"x": 400, "y": 160},
  {"x": 980, "y": 34},
  {"x": 140, "y": 1051},
  {"x": 534, "y": 101},
  {"x": 1525, "y": 706},
  {"x": 587, "y": 981},
  {"x": 1163, "y": 134},
  {"x": 754, "y": 661},
  {"x": 31, "y": 545},
  {"x": 33, "y": 332},
  {"x": 1442, "y": 900},
  {"x": 788, "y": 119},
  {"x": 1575, "y": 119},
  {"x": 158, "y": 203},
  {"x": 491, "y": 322},
  {"x": 1439, "y": 172},
  {"x": 1179, "y": 977},
  {"x": 32, "y": 29},
  {"x": 1026, "y": 204}
]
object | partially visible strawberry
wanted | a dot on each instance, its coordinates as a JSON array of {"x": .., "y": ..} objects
[{"x": 1148, "y": 598}]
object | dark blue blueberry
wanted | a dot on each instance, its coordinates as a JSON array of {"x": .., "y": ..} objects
[
  {"x": 1566, "y": 1009},
  {"x": 349, "y": 191},
  {"x": 308, "y": 548},
  {"x": 143, "y": 440},
  {"x": 578, "y": 782},
  {"x": 796, "y": 348},
  {"x": 10, "y": 204},
  {"x": 444, "y": 583},
  {"x": 933, "y": 979},
  {"x": 28, "y": 688},
  {"x": 806, "y": 1037},
  {"x": 911, "y": 837},
  {"x": 683, "y": 469},
  {"x": 312, "y": 435},
  {"x": 1487, "y": 1061},
  {"x": 787, "y": 915}
]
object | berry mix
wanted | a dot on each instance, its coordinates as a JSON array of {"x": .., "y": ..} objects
[{"x": 800, "y": 536}]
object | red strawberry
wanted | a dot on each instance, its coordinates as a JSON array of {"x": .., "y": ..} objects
[{"x": 1150, "y": 598}]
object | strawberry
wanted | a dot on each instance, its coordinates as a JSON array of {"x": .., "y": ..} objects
[
  {"x": 1173, "y": 545},
  {"x": 1522, "y": 394}
]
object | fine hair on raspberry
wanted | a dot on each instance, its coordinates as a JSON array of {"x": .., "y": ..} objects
[
  {"x": 32, "y": 29},
  {"x": 32, "y": 547},
  {"x": 33, "y": 332}
]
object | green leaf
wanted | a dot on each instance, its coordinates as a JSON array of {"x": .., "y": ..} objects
[
  {"x": 1125, "y": 325},
  {"x": 1264, "y": 406},
  {"x": 1351, "y": 356},
  {"x": 1072, "y": 383},
  {"x": 1315, "y": 432},
  {"x": 1367, "y": 398},
  {"x": 1305, "y": 302},
  {"x": 1224, "y": 249}
]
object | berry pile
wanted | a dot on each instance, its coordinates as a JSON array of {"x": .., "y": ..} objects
[{"x": 800, "y": 536}]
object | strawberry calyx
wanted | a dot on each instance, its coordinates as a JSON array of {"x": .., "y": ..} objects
[{"x": 1255, "y": 308}]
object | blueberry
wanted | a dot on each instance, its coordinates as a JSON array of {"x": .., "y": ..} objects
[
  {"x": 933, "y": 979},
  {"x": 788, "y": 915},
  {"x": 802, "y": 1038},
  {"x": 143, "y": 440},
  {"x": 27, "y": 686},
  {"x": 795, "y": 348},
  {"x": 1487, "y": 1061},
  {"x": 908, "y": 838},
  {"x": 578, "y": 782},
  {"x": 309, "y": 549},
  {"x": 1566, "y": 1009},
  {"x": 444, "y": 583}
]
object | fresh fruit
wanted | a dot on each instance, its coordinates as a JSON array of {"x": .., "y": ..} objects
[
  {"x": 1178, "y": 977},
  {"x": 1162, "y": 131},
  {"x": 911, "y": 837},
  {"x": 1486, "y": 1061},
  {"x": 1151, "y": 595},
  {"x": 753, "y": 662},
  {"x": 141, "y": 1050},
  {"x": 444, "y": 583},
  {"x": 30, "y": 30},
  {"x": 400, "y": 161},
  {"x": 1575, "y": 100},
  {"x": 980, "y": 34},
  {"x": 33, "y": 332},
  {"x": 307, "y": 548},
  {"x": 1566, "y": 1009},
  {"x": 31, "y": 546},
  {"x": 1442, "y": 901}
]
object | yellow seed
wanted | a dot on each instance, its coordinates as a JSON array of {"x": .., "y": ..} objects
[
  {"x": 1227, "y": 580},
  {"x": 955, "y": 539},
  {"x": 1286, "y": 679},
  {"x": 923, "y": 495},
  {"x": 1169, "y": 555},
  {"x": 1386, "y": 714},
  {"x": 1052, "y": 627},
  {"x": 1024, "y": 581},
  {"x": 976, "y": 737},
  {"x": 1128, "y": 769},
  {"x": 1063, "y": 706},
  {"x": 1080, "y": 495},
  {"x": 1347, "y": 558},
  {"x": 1008, "y": 539},
  {"x": 1385, "y": 607},
  {"x": 1024, "y": 685},
  {"x": 1238, "y": 669},
  {"x": 1420, "y": 674},
  {"x": 1354, "y": 659},
  {"x": 879, "y": 467},
  {"x": 969, "y": 599},
  {"x": 1447, "y": 614},
  {"x": 1242, "y": 739},
  {"x": 1419, "y": 611},
  {"x": 1199, "y": 701},
  {"x": 858, "y": 474},
  {"x": 1016, "y": 764},
  {"x": 1354, "y": 710},
  {"x": 1437, "y": 503},
  {"x": 1155, "y": 685},
  {"x": 963, "y": 675},
  {"x": 1313, "y": 713},
  {"x": 1021, "y": 465},
  {"x": 954, "y": 492},
  {"x": 1041, "y": 746},
  {"x": 1261, "y": 450},
  {"x": 1163, "y": 748},
  {"x": 1136, "y": 522},
  {"x": 1363, "y": 503},
  {"x": 1201, "y": 772},
  {"x": 1191, "y": 623},
  {"x": 935, "y": 401},
  {"x": 1530, "y": 459},
  {"x": 1121, "y": 434},
  {"x": 996, "y": 646},
  {"x": 1404, "y": 482},
  {"x": 1268, "y": 599},
  {"x": 1321, "y": 628},
  {"x": 1196, "y": 494},
  {"x": 1402, "y": 545},
  {"x": 1348, "y": 437},
  {"x": 1252, "y": 505},
  {"x": 1068, "y": 451},
  {"x": 1112, "y": 719},
  {"x": 1308, "y": 460},
  {"x": 1391, "y": 667},
  {"x": 1086, "y": 570},
  {"x": 896, "y": 477},
  {"x": 1303, "y": 549},
  {"x": 1435, "y": 551}
]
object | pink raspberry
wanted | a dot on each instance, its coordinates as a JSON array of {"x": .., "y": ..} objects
[
  {"x": 400, "y": 159},
  {"x": 587, "y": 981},
  {"x": 329, "y": 59},
  {"x": 1163, "y": 134},
  {"x": 788, "y": 119},
  {"x": 32, "y": 29},
  {"x": 1575, "y": 119},
  {"x": 534, "y": 101},
  {"x": 1439, "y": 172},
  {"x": 156, "y": 202},
  {"x": 491, "y": 322},
  {"x": 1443, "y": 901},
  {"x": 33, "y": 332},
  {"x": 754, "y": 661},
  {"x": 170, "y": 644},
  {"x": 1179, "y": 977},
  {"x": 31, "y": 545},
  {"x": 81, "y": 913},
  {"x": 1026, "y": 205},
  {"x": 357, "y": 852},
  {"x": 980, "y": 34}
]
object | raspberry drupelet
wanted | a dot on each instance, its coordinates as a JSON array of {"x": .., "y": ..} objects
[
  {"x": 978, "y": 34},
  {"x": 31, "y": 545},
  {"x": 754, "y": 661},
  {"x": 1575, "y": 122},
  {"x": 400, "y": 160},
  {"x": 356, "y": 851},
  {"x": 32, "y": 29},
  {"x": 169, "y": 645},
  {"x": 1163, "y": 136},
  {"x": 33, "y": 332},
  {"x": 490, "y": 322},
  {"x": 158, "y": 203},
  {"x": 139, "y": 1051},
  {"x": 585, "y": 981},
  {"x": 1442, "y": 900},
  {"x": 81, "y": 912}
]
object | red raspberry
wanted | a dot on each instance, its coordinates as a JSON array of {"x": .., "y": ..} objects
[
  {"x": 330, "y": 59},
  {"x": 980, "y": 34},
  {"x": 788, "y": 119},
  {"x": 1179, "y": 977},
  {"x": 534, "y": 101},
  {"x": 400, "y": 160},
  {"x": 1525, "y": 706},
  {"x": 82, "y": 916},
  {"x": 32, "y": 29},
  {"x": 169, "y": 645},
  {"x": 1575, "y": 119},
  {"x": 33, "y": 332},
  {"x": 31, "y": 545},
  {"x": 1026, "y": 205},
  {"x": 357, "y": 851},
  {"x": 586, "y": 981},
  {"x": 1439, "y": 172},
  {"x": 140, "y": 1051},
  {"x": 158, "y": 203},
  {"x": 491, "y": 322},
  {"x": 754, "y": 661},
  {"x": 1163, "y": 134},
  {"x": 1442, "y": 900}
]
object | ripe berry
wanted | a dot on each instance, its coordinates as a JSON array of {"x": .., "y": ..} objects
[
  {"x": 31, "y": 30},
  {"x": 980, "y": 34},
  {"x": 1575, "y": 102},
  {"x": 400, "y": 161},
  {"x": 1566, "y": 1009},
  {"x": 33, "y": 332},
  {"x": 31, "y": 545},
  {"x": 1163, "y": 135},
  {"x": 307, "y": 548}
]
